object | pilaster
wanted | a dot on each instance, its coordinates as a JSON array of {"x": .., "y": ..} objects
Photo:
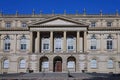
[
  {"x": 31, "y": 42},
  {"x": 85, "y": 41},
  {"x": 102, "y": 43}
]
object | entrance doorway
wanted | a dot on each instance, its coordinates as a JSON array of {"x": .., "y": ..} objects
[{"x": 57, "y": 64}]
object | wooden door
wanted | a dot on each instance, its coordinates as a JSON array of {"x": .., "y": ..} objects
[{"x": 58, "y": 66}]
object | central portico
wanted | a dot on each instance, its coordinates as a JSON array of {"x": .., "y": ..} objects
[{"x": 58, "y": 35}]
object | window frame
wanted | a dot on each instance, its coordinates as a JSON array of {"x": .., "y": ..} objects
[
  {"x": 6, "y": 64},
  {"x": 23, "y": 43},
  {"x": 7, "y": 43},
  {"x": 93, "y": 63},
  {"x": 22, "y": 65}
]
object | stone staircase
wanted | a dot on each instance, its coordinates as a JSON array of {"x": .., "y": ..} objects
[{"x": 59, "y": 76}]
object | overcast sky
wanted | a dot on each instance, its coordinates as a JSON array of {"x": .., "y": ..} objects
[{"x": 46, "y": 6}]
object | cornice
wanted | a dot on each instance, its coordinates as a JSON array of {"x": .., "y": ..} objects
[{"x": 104, "y": 29}]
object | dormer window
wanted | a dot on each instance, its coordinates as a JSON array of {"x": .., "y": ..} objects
[
  {"x": 93, "y": 24},
  {"x": 8, "y": 25},
  {"x": 24, "y": 24},
  {"x": 109, "y": 24}
]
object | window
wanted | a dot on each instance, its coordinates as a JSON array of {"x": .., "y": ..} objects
[
  {"x": 24, "y": 24},
  {"x": 93, "y": 24},
  {"x": 119, "y": 64},
  {"x": 8, "y": 25},
  {"x": 109, "y": 43},
  {"x": 58, "y": 44},
  {"x": 22, "y": 63},
  {"x": 71, "y": 64},
  {"x": 45, "y": 64},
  {"x": 7, "y": 43},
  {"x": 70, "y": 43},
  {"x": 93, "y": 63},
  {"x": 93, "y": 42},
  {"x": 6, "y": 64},
  {"x": 45, "y": 44},
  {"x": 109, "y": 24},
  {"x": 110, "y": 63},
  {"x": 23, "y": 44}
]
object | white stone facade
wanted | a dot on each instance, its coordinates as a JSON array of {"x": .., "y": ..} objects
[{"x": 60, "y": 43}]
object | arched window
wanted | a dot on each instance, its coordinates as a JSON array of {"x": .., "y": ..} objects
[
  {"x": 23, "y": 45},
  {"x": 7, "y": 43},
  {"x": 93, "y": 63},
  {"x": 109, "y": 42},
  {"x": 71, "y": 64},
  {"x": 93, "y": 42},
  {"x": 45, "y": 64},
  {"x": 110, "y": 63},
  {"x": 6, "y": 64},
  {"x": 58, "y": 44},
  {"x": 22, "y": 63}
]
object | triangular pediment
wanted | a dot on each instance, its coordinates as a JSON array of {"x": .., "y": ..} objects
[{"x": 58, "y": 21}]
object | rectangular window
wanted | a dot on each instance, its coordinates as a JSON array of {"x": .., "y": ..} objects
[
  {"x": 93, "y": 44},
  {"x": 58, "y": 44},
  {"x": 8, "y": 25},
  {"x": 7, "y": 47},
  {"x": 109, "y": 44},
  {"x": 109, "y": 24},
  {"x": 24, "y": 24},
  {"x": 119, "y": 64},
  {"x": 70, "y": 44},
  {"x": 93, "y": 24},
  {"x": 46, "y": 46},
  {"x": 23, "y": 46}
]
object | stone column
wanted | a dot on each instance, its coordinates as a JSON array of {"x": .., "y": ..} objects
[
  {"x": 31, "y": 42},
  {"x": 64, "y": 42},
  {"x": 78, "y": 41},
  {"x": 85, "y": 41},
  {"x": 38, "y": 42},
  {"x": 51, "y": 41}
]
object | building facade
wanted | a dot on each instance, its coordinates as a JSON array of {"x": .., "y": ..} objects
[{"x": 60, "y": 43}]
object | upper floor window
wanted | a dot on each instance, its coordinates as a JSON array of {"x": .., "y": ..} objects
[
  {"x": 110, "y": 63},
  {"x": 93, "y": 42},
  {"x": 8, "y": 25},
  {"x": 109, "y": 42},
  {"x": 45, "y": 44},
  {"x": 58, "y": 44},
  {"x": 7, "y": 43},
  {"x": 70, "y": 43},
  {"x": 6, "y": 64},
  {"x": 93, "y": 24},
  {"x": 24, "y": 24},
  {"x": 109, "y": 24},
  {"x": 22, "y": 63},
  {"x": 93, "y": 63},
  {"x": 119, "y": 64},
  {"x": 23, "y": 45}
]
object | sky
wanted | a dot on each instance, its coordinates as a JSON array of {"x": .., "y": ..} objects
[{"x": 59, "y": 6}]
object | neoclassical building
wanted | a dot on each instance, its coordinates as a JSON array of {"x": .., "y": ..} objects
[{"x": 60, "y": 43}]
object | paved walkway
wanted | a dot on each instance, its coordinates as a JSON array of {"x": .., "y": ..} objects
[{"x": 59, "y": 76}]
